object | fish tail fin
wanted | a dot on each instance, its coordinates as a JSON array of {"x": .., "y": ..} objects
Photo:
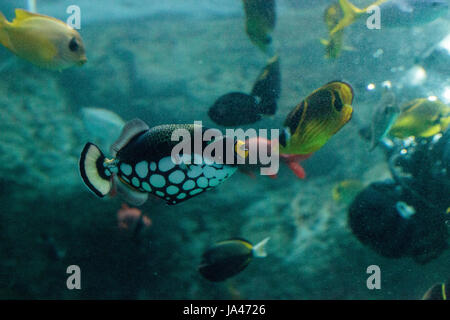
[
  {"x": 4, "y": 38},
  {"x": 94, "y": 174},
  {"x": 259, "y": 250},
  {"x": 351, "y": 14}
]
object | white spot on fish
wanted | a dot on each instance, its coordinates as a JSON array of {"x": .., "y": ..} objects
[
  {"x": 142, "y": 169},
  {"x": 209, "y": 172},
  {"x": 188, "y": 185},
  {"x": 176, "y": 176},
  {"x": 172, "y": 190},
  {"x": 165, "y": 164},
  {"x": 153, "y": 166},
  {"x": 126, "y": 169},
  {"x": 146, "y": 187},
  {"x": 213, "y": 182},
  {"x": 220, "y": 174},
  {"x": 196, "y": 191},
  {"x": 194, "y": 171},
  {"x": 181, "y": 196},
  {"x": 202, "y": 182},
  {"x": 159, "y": 193},
  {"x": 135, "y": 182},
  {"x": 157, "y": 180}
]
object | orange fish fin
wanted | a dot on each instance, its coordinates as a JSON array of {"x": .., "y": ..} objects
[{"x": 297, "y": 169}]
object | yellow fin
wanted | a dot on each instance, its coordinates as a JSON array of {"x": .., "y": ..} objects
[
  {"x": 4, "y": 38},
  {"x": 22, "y": 15},
  {"x": 351, "y": 14}
]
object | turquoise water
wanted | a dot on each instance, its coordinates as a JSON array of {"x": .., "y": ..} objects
[{"x": 167, "y": 64}]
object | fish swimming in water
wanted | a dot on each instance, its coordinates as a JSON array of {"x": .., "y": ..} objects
[
  {"x": 384, "y": 116},
  {"x": 227, "y": 258},
  {"x": 345, "y": 191},
  {"x": 132, "y": 220},
  {"x": 267, "y": 87},
  {"x": 44, "y": 41},
  {"x": 260, "y": 22},
  {"x": 395, "y": 13},
  {"x": 440, "y": 291},
  {"x": 333, "y": 47},
  {"x": 317, "y": 118},
  {"x": 237, "y": 108},
  {"x": 421, "y": 118},
  {"x": 142, "y": 164}
]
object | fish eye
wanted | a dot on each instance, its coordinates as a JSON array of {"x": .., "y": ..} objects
[{"x": 73, "y": 45}]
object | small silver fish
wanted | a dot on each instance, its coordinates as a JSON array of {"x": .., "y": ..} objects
[{"x": 384, "y": 116}]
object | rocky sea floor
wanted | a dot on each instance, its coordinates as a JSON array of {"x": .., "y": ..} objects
[{"x": 171, "y": 71}]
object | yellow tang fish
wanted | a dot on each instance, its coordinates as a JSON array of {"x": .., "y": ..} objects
[
  {"x": 421, "y": 118},
  {"x": 44, "y": 41},
  {"x": 260, "y": 22},
  {"x": 317, "y": 118}
]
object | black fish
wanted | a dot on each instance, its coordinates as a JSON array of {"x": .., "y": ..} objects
[
  {"x": 439, "y": 291},
  {"x": 227, "y": 258},
  {"x": 267, "y": 87},
  {"x": 238, "y": 108}
]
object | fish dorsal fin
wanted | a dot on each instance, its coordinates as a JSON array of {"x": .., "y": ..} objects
[
  {"x": 129, "y": 131},
  {"x": 22, "y": 15}
]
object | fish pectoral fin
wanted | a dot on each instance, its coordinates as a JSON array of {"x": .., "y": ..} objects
[{"x": 133, "y": 197}]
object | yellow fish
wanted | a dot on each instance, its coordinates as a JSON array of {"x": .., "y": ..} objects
[
  {"x": 317, "y": 118},
  {"x": 421, "y": 118},
  {"x": 345, "y": 191},
  {"x": 260, "y": 22},
  {"x": 333, "y": 47},
  {"x": 44, "y": 41}
]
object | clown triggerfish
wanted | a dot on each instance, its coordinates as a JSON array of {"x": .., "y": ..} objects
[{"x": 142, "y": 163}]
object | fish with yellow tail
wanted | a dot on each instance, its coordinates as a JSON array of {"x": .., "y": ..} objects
[
  {"x": 317, "y": 118},
  {"x": 422, "y": 117},
  {"x": 227, "y": 258},
  {"x": 440, "y": 291},
  {"x": 260, "y": 23},
  {"x": 142, "y": 164},
  {"x": 394, "y": 13},
  {"x": 42, "y": 40}
]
